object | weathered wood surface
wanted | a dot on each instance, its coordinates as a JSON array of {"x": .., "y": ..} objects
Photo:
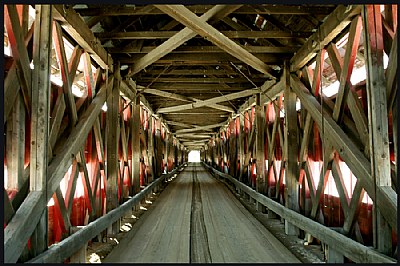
[
  {"x": 63, "y": 250},
  {"x": 346, "y": 246}
]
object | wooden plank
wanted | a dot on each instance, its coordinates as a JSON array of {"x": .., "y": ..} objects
[
  {"x": 184, "y": 98},
  {"x": 245, "y": 34},
  {"x": 60, "y": 203},
  {"x": 11, "y": 81},
  {"x": 200, "y": 9},
  {"x": 198, "y": 80},
  {"x": 135, "y": 142},
  {"x": 390, "y": 75},
  {"x": 67, "y": 84},
  {"x": 219, "y": 99},
  {"x": 15, "y": 143},
  {"x": 8, "y": 208},
  {"x": 74, "y": 62},
  {"x": 378, "y": 124},
  {"x": 189, "y": 19},
  {"x": 291, "y": 150},
  {"x": 87, "y": 69},
  {"x": 356, "y": 160},
  {"x": 346, "y": 246},
  {"x": 71, "y": 187},
  {"x": 199, "y": 128},
  {"x": 260, "y": 139},
  {"x": 40, "y": 94},
  {"x": 212, "y": 49},
  {"x": 354, "y": 207},
  {"x": 340, "y": 186},
  {"x": 348, "y": 64},
  {"x": 329, "y": 29},
  {"x": 20, "y": 228},
  {"x": 20, "y": 53},
  {"x": 175, "y": 41},
  {"x": 80, "y": 32},
  {"x": 56, "y": 119},
  {"x": 353, "y": 102},
  {"x": 112, "y": 122},
  {"x": 63, "y": 250}
]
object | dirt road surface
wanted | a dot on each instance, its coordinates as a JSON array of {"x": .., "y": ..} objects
[{"x": 197, "y": 219}]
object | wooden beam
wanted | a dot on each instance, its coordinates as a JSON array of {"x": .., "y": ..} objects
[
  {"x": 15, "y": 143},
  {"x": 291, "y": 136},
  {"x": 200, "y": 9},
  {"x": 203, "y": 80},
  {"x": 80, "y": 32},
  {"x": 186, "y": 17},
  {"x": 174, "y": 42},
  {"x": 219, "y": 99},
  {"x": 206, "y": 58},
  {"x": 198, "y": 128},
  {"x": 348, "y": 64},
  {"x": 63, "y": 250},
  {"x": 346, "y": 246},
  {"x": 20, "y": 53},
  {"x": 378, "y": 124},
  {"x": 135, "y": 129},
  {"x": 355, "y": 159},
  {"x": 20, "y": 228},
  {"x": 67, "y": 84},
  {"x": 112, "y": 117},
  {"x": 260, "y": 140},
  {"x": 329, "y": 29},
  {"x": 211, "y": 49},
  {"x": 245, "y": 34},
  {"x": 186, "y": 99}
]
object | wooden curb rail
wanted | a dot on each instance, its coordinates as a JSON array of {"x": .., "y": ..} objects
[
  {"x": 64, "y": 249},
  {"x": 342, "y": 244}
]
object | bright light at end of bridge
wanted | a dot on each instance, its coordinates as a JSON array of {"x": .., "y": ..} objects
[{"x": 194, "y": 156}]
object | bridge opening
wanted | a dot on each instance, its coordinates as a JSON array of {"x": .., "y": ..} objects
[{"x": 194, "y": 156}]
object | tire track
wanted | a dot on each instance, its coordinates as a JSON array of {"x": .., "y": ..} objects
[{"x": 199, "y": 248}]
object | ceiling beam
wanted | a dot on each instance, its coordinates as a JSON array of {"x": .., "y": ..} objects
[
  {"x": 200, "y": 9},
  {"x": 329, "y": 29},
  {"x": 219, "y": 99},
  {"x": 198, "y": 128},
  {"x": 189, "y": 19},
  {"x": 179, "y": 38},
  {"x": 186, "y": 99},
  {"x": 206, "y": 49},
  {"x": 147, "y": 35},
  {"x": 199, "y": 80},
  {"x": 75, "y": 26},
  {"x": 215, "y": 58},
  {"x": 192, "y": 136}
]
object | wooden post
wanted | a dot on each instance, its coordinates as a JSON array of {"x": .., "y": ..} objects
[
  {"x": 260, "y": 139},
  {"x": 16, "y": 144},
  {"x": 112, "y": 150},
  {"x": 291, "y": 132},
  {"x": 150, "y": 147},
  {"x": 378, "y": 126},
  {"x": 240, "y": 145},
  {"x": 40, "y": 118},
  {"x": 136, "y": 145}
]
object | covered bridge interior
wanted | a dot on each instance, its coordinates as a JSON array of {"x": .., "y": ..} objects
[{"x": 294, "y": 106}]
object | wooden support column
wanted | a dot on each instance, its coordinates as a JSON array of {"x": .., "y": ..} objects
[
  {"x": 40, "y": 118},
  {"x": 291, "y": 168},
  {"x": 112, "y": 150},
  {"x": 260, "y": 139},
  {"x": 16, "y": 145},
  {"x": 150, "y": 147},
  {"x": 135, "y": 129},
  {"x": 378, "y": 126},
  {"x": 240, "y": 145}
]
